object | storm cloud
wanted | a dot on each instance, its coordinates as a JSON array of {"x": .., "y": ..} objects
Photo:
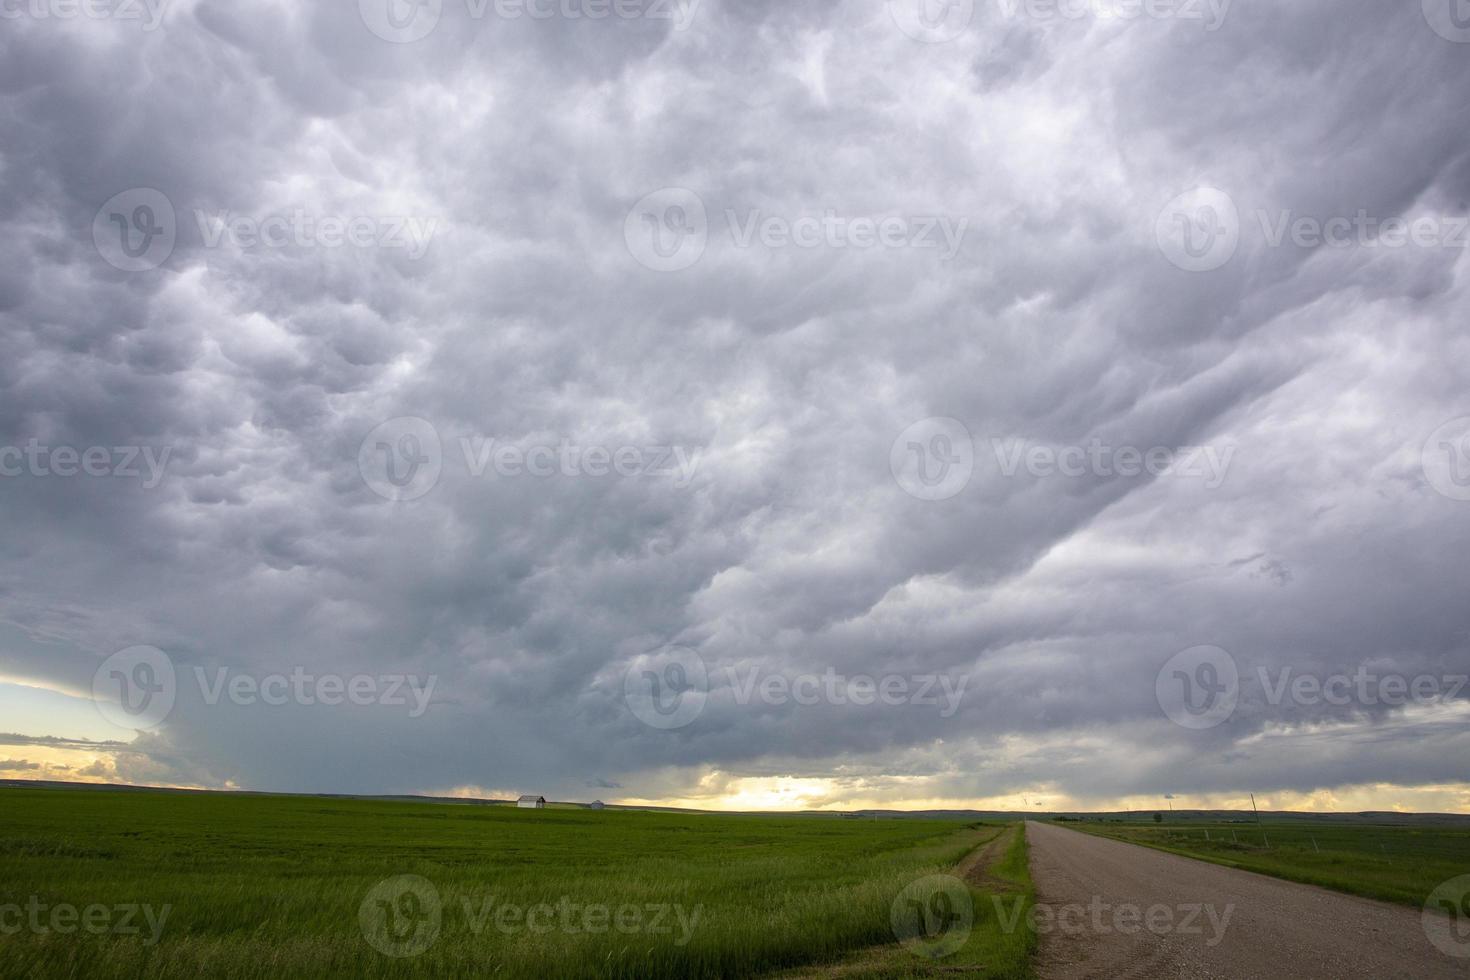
[{"x": 758, "y": 353}]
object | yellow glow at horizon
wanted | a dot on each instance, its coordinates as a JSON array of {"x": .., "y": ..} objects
[{"x": 791, "y": 794}]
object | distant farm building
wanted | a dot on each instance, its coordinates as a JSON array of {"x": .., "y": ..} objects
[
  {"x": 531, "y": 802},
  {"x": 597, "y": 805}
]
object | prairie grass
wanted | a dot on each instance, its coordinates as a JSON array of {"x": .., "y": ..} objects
[
  {"x": 999, "y": 945},
  {"x": 1392, "y": 863},
  {"x": 262, "y": 886}
]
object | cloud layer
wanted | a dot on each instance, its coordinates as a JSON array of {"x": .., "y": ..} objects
[{"x": 820, "y": 340}]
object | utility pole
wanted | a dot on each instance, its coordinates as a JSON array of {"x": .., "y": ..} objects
[{"x": 1258, "y": 822}]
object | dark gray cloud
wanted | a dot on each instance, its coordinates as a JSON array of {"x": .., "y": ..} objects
[{"x": 496, "y": 292}]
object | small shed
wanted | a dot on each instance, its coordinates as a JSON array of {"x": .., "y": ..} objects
[
  {"x": 596, "y": 805},
  {"x": 531, "y": 802}
]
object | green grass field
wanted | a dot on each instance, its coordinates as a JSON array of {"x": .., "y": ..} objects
[
  {"x": 999, "y": 944},
  {"x": 257, "y": 886},
  {"x": 1395, "y": 864}
]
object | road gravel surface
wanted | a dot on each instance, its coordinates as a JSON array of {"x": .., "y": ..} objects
[{"x": 1116, "y": 910}]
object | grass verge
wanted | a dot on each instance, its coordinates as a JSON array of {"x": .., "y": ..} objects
[
  {"x": 999, "y": 945},
  {"x": 260, "y": 886},
  {"x": 1394, "y": 864}
]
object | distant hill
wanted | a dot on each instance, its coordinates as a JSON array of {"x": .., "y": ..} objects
[{"x": 1380, "y": 817}]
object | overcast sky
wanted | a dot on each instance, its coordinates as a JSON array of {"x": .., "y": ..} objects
[{"x": 739, "y": 404}]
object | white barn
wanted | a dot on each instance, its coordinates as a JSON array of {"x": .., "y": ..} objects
[{"x": 531, "y": 802}]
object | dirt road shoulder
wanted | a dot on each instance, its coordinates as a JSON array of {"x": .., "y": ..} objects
[{"x": 1111, "y": 909}]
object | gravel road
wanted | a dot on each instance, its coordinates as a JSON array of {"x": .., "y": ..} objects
[{"x": 1097, "y": 898}]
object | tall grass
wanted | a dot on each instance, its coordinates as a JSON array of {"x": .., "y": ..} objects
[
  {"x": 1003, "y": 942},
  {"x": 272, "y": 886},
  {"x": 999, "y": 945},
  {"x": 1396, "y": 864}
]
